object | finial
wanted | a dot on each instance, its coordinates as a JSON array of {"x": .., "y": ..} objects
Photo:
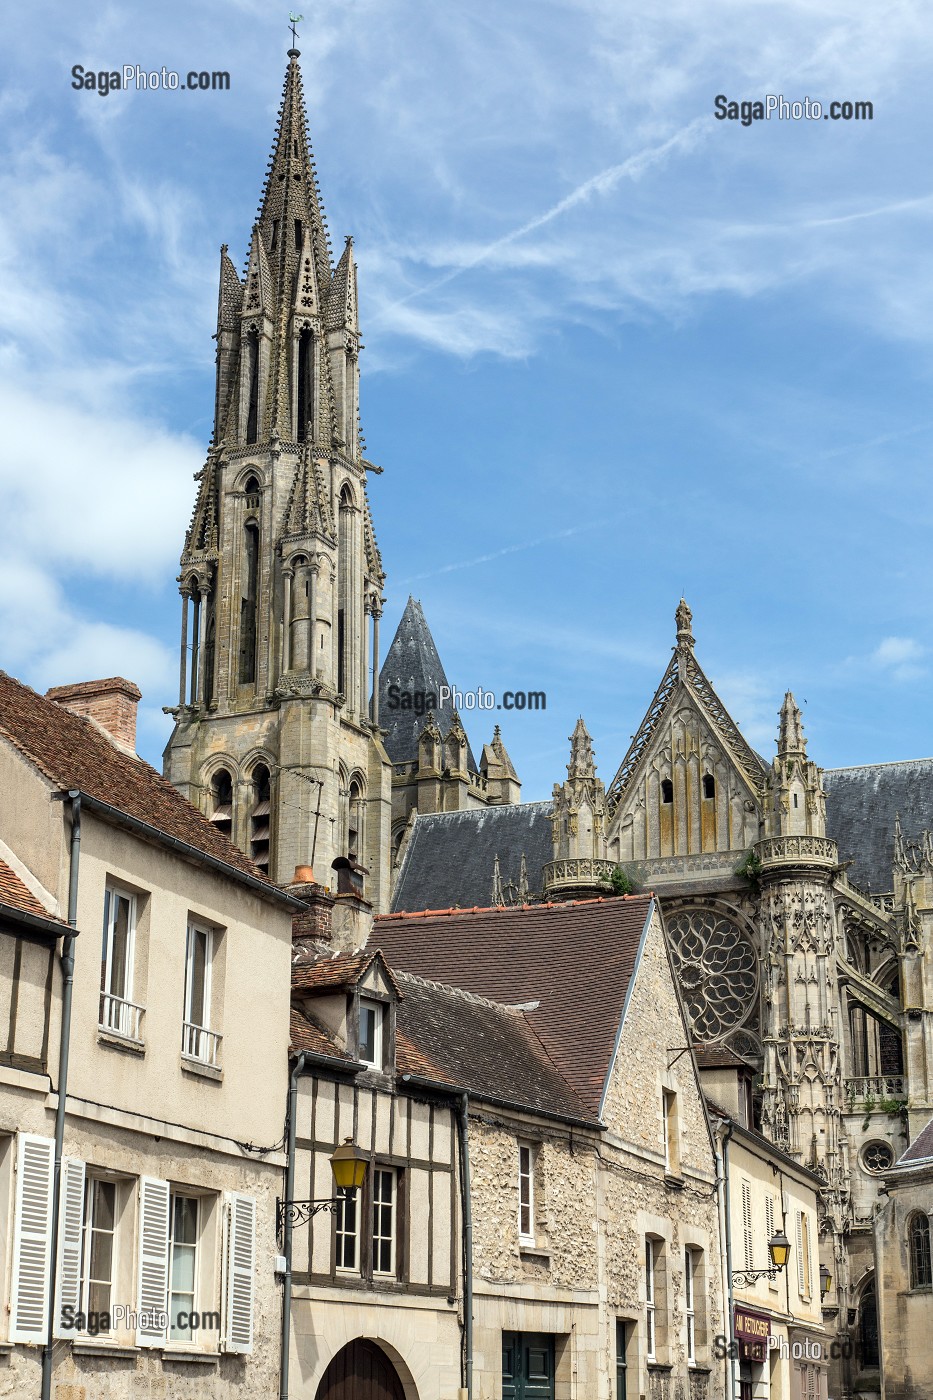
[
  {"x": 684, "y": 617},
  {"x": 293, "y": 21}
]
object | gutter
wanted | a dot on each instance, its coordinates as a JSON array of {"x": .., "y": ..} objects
[
  {"x": 52, "y": 928},
  {"x": 68, "y": 965},
  {"x": 174, "y": 843},
  {"x": 463, "y": 1139}
]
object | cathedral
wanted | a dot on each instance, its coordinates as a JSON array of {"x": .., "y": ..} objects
[{"x": 798, "y": 902}]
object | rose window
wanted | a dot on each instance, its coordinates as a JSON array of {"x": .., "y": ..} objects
[
  {"x": 877, "y": 1157},
  {"x": 716, "y": 967}
]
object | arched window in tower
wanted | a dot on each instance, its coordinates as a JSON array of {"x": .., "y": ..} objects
[
  {"x": 221, "y": 799},
  {"x": 305, "y": 387},
  {"x": 252, "y": 386},
  {"x": 343, "y": 587},
  {"x": 354, "y": 820},
  {"x": 918, "y": 1244},
  {"x": 260, "y": 817},
  {"x": 249, "y": 601},
  {"x": 868, "y": 1327},
  {"x": 210, "y": 643},
  {"x": 709, "y": 786},
  {"x": 667, "y": 790}
]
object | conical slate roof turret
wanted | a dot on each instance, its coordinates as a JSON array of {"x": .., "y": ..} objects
[{"x": 411, "y": 679}]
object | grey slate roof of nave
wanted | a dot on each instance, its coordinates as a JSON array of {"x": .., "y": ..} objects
[
  {"x": 413, "y": 664},
  {"x": 861, "y": 804},
  {"x": 451, "y": 856}
]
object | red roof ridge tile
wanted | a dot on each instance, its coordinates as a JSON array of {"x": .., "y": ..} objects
[{"x": 511, "y": 908}]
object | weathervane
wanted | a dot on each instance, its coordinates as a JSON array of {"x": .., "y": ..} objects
[{"x": 295, "y": 19}]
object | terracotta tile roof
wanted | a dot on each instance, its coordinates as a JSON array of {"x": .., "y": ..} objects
[
  {"x": 307, "y": 1033},
  {"x": 15, "y": 895},
  {"x": 336, "y": 970},
  {"x": 719, "y": 1057},
  {"x": 475, "y": 1044},
  {"x": 575, "y": 960},
  {"x": 73, "y": 753}
]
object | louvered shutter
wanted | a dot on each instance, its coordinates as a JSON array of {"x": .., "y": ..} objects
[
  {"x": 70, "y": 1234},
  {"x": 240, "y": 1255},
  {"x": 800, "y": 1272},
  {"x": 748, "y": 1237},
  {"x": 152, "y": 1293},
  {"x": 32, "y": 1238}
]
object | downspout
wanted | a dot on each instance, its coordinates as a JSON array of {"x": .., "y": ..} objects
[
  {"x": 463, "y": 1140},
  {"x": 67, "y": 960},
  {"x": 464, "y": 1136},
  {"x": 287, "y": 1227},
  {"x": 730, "y": 1330}
]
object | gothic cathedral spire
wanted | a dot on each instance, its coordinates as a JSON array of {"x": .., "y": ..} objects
[{"x": 276, "y": 734}]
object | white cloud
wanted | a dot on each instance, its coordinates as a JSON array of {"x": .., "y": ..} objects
[{"x": 900, "y": 657}]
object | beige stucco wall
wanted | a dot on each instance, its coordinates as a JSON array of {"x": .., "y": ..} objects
[{"x": 905, "y": 1314}]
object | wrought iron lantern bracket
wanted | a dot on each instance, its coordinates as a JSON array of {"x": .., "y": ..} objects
[{"x": 301, "y": 1212}]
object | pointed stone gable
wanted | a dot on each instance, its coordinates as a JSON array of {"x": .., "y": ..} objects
[
  {"x": 413, "y": 668},
  {"x": 308, "y": 511},
  {"x": 690, "y": 785}
]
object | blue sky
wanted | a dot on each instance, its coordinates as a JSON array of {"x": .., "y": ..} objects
[{"x": 616, "y": 350}]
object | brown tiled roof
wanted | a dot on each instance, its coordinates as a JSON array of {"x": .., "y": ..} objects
[
  {"x": 307, "y": 1033},
  {"x": 15, "y": 895},
  {"x": 574, "y": 959},
  {"x": 73, "y": 753},
  {"x": 336, "y": 970},
  {"x": 476, "y": 1044},
  {"x": 719, "y": 1057}
]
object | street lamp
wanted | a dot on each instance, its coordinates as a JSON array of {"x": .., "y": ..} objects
[
  {"x": 779, "y": 1250},
  {"x": 348, "y": 1164},
  {"x": 826, "y": 1281}
]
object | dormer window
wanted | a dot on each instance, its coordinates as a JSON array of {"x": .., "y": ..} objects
[{"x": 370, "y": 1045}]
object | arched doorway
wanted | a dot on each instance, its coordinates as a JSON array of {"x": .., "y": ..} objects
[{"x": 360, "y": 1371}]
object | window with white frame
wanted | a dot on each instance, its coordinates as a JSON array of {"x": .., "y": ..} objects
[
  {"x": 748, "y": 1236},
  {"x": 651, "y": 1338},
  {"x": 526, "y": 1193},
  {"x": 348, "y": 1230},
  {"x": 99, "y": 1252},
  {"x": 385, "y": 1218},
  {"x": 671, "y": 1132},
  {"x": 690, "y": 1272},
  {"x": 199, "y": 1041},
  {"x": 118, "y": 1011},
  {"x": 184, "y": 1224},
  {"x": 370, "y": 1048}
]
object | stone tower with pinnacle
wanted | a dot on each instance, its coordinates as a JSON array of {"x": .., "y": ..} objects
[{"x": 276, "y": 729}]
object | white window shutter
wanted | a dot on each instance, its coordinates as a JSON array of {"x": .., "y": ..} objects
[
  {"x": 240, "y": 1255},
  {"x": 70, "y": 1238},
  {"x": 800, "y": 1274},
  {"x": 152, "y": 1293},
  {"x": 32, "y": 1238}
]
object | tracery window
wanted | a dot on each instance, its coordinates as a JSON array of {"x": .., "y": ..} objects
[
  {"x": 921, "y": 1264},
  {"x": 716, "y": 967},
  {"x": 877, "y": 1156}
]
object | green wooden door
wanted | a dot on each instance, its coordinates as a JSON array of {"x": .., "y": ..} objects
[{"x": 527, "y": 1366}]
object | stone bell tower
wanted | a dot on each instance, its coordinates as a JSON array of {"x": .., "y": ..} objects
[{"x": 276, "y": 729}]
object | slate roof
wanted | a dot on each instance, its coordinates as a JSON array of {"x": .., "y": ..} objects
[
  {"x": 450, "y": 857},
  {"x": 574, "y": 960},
  {"x": 73, "y": 753},
  {"x": 920, "y": 1151},
  {"x": 476, "y": 1044},
  {"x": 861, "y": 804},
  {"x": 412, "y": 663},
  {"x": 15, "y": 895}
]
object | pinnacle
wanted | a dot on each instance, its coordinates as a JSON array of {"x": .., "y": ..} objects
[{"x": 790, "y": 734}]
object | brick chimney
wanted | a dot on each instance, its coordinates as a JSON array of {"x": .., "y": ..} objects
[{"x": 112, "y": 703}]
